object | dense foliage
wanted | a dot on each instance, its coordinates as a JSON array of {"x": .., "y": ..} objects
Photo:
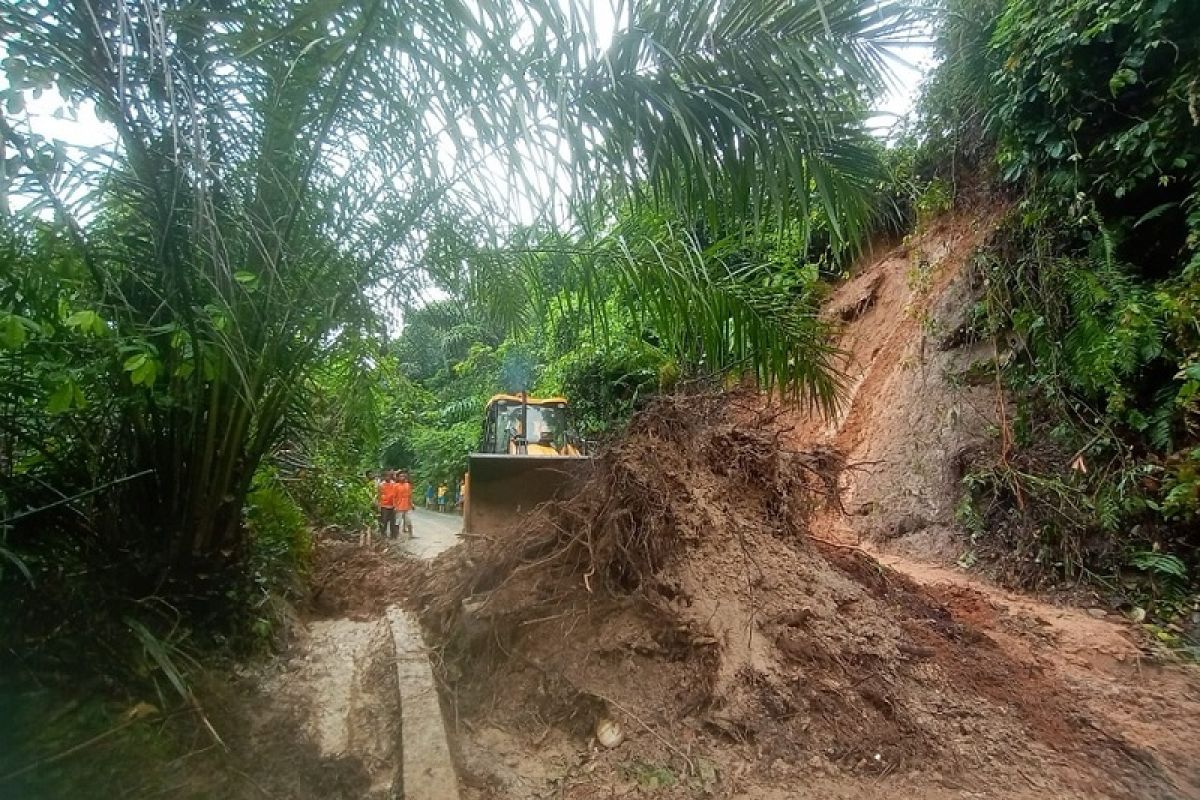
[
  {"x": 302, "y": 251},
  {"x": 1090, "y": 111},
  {"x": 200, "y": 311},
  {"x": 596, "y": 331}
]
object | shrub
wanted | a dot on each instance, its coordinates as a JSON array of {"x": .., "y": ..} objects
[
  {"x": 281, "y": 544},
  {"x": 333, "y": 491}
]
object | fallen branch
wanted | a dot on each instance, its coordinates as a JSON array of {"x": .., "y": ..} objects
[
  {"x": 72, "y": 498},
  {"x": 843, "y": 545}
]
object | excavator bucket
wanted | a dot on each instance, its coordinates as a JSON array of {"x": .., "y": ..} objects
[{"x": 501, "y": 486}]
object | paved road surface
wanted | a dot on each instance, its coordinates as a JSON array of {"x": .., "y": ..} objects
[{"x": 432, "y": 533}]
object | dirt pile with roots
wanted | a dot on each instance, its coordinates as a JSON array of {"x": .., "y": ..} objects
[
  {"x": 357, "y": 582},
  {"x": 680, "y": 594}
]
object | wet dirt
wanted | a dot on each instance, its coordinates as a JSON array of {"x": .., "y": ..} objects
[
  {"x": 913, "y": 418},
  {"x": 912, "y": 414},
  {"x": 358, "y": 581},
  {"x": 741, "y": 657},
  {"x": 753, "y": 637},
  {"x": 322, "y": 722},
  {"x": 764, "y": 604}
]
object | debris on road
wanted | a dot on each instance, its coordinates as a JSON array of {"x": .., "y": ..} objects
[{"x": 680, "y": 595}]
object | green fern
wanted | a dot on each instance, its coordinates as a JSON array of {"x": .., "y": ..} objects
[{"x": 1162, "y": 565}]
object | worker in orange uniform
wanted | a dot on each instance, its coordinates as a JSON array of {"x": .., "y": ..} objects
[
  {"x": 402, "y": 503},
  {"x": 387, "y": 509}
]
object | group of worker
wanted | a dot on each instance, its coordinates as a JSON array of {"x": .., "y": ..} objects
[
  {"x": 440, "y": 499},
  {"x": 395, "y": 502}
]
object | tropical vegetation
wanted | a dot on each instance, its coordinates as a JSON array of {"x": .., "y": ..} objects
[
  {"x": 305, "y": 240},
  {"x": 1087, "y": 116},
  {"x": 308, "y": 238}
]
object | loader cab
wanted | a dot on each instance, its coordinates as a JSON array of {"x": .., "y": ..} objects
[
  {"x": 529, "y": 454},
  {"x": 529, "y": 426}
]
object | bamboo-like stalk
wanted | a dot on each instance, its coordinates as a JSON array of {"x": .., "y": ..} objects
[{"x": 271, "y": 192}]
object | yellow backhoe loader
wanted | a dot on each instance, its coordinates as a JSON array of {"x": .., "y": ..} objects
[{"x": 529, "y": 454}]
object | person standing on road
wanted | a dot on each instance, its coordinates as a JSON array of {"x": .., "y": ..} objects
[
  {"x": 387, "y": 509},
  {"x": 403, "y": 504},
  {"x": 430, "y": 495},
  {"x": 442, "y": 491}
]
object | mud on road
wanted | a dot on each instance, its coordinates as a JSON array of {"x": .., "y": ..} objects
[
  {"x": 763, "y": 605},
  {"x": 717, "y": 589},
  {"x": 742, "y": 657}
]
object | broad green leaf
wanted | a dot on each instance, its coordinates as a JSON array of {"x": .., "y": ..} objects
[
  {"x": 145, "y": 373},
  {"x": 87, "y": 322},
  {"x": 61, "y": 398},
  {"x": 12, "y": 332},
  {"x": 210, "y": 367},
  {"x": 1120, "y": 79}
]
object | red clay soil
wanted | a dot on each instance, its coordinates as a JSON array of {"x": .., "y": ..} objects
[
  {"x": 914, "y": 414},
  {"x": 680, "y": 594},
  {"x": 359, "y": 582},
  {"x": 718, "y": 589}
]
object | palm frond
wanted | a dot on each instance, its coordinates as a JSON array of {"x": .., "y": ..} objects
[
  {"x": 464, "y": 409},
  {"x": 283, "y": 169},
  {"x": 723, "y": 313},
  {"x": 752, "y": 108}
]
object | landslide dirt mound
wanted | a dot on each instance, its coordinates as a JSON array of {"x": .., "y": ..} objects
[
  {"x": 360, "y": 581},
  {"x": 922, "y": 400},
  {"x": 680, "y": 594}
]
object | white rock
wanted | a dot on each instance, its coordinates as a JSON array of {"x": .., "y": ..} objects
[{"x": 609, "y": 732}]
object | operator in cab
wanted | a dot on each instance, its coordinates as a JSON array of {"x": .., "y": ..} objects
[{"x": 544, "y": 446}]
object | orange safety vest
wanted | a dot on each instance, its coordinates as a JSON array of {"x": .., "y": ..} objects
[
  {"x": 385, "y": 494},
  {"x": 402, "y": 496}
]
